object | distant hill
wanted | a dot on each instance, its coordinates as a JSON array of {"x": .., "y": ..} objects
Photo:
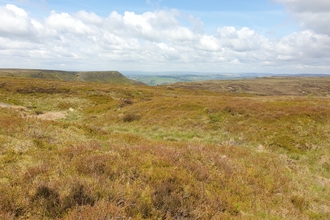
[
  {"x": 114, "y": 77},
  {"x": 294, "y": 85},
  {"x": 163, "y": 78}
]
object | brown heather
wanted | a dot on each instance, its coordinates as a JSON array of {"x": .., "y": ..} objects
[{"x": 179, "y": 152}]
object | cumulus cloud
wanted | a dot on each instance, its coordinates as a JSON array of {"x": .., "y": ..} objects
[
  {"x": 66, "y": 23},
  {"x": 14, "y": 20},
  {"x": 308, "y": 47},
  {"x": 153, "y": 26},
  {"x": 306, "y": 5},
  {"x": 158, "y": 40},
  {"x": 90, "y": 18},
  {"x": 313, "y": 15},
  {"x": 240, "y": 40}
]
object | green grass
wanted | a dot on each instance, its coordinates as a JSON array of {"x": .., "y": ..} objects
[{"x": 130, "y": 151}]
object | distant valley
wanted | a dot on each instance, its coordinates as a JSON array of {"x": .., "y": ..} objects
[{"x": 163, "y": 78}]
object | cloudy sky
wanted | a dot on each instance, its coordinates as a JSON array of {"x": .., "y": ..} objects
[{"x": 273, "y": 36}]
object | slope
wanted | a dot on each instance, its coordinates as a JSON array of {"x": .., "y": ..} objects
[{"x": 93, "y": 76}]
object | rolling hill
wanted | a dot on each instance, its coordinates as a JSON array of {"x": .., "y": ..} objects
[
  {"x": 93, "y": 76},
  {"x": 295, "y": 86}
]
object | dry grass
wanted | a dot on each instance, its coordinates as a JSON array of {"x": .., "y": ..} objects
[{"x": 161, "y": 153}]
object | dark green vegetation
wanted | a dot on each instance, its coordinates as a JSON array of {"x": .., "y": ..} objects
[
  {"x": 77, "y": 150},
  {"x": 95, "y": 76}
]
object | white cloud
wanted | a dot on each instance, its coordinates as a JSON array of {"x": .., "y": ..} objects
[
  {"x": 14, "y": 20},
  {"x": 159, "y": 40},
  {"x": 306, "y": 5},
  {"x": 90, "y": 18},
  {"x": 66, "y": 23},
  {"x": 306, "y": 46},
  {"x": 209, "y": 43},
  {"x": 240, "y": 40},
  {"x": 152, "y": 26},
  {"x": 197, "y": 23},
  {"x": 168, "y": 52},
  {"x": 310, "y": 14}
]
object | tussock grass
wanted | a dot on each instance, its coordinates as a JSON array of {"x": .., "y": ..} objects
[{"x": 161, "y": 153}]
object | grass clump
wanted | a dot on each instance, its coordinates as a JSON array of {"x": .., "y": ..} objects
[
  {"x": 48, "y": 200},
  {"x": 131, "y": 117}
]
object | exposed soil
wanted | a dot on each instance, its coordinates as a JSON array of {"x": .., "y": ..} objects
[
  {"x": 44, "y": 116},
  {"x": 52, "y": 115},
  {"x": 16, "y": 107}
]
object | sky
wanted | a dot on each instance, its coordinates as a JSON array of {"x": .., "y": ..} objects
[{"x": 220, "y": 36}]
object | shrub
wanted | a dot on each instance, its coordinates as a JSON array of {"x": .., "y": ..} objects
[
  {"x": 48, "y": 199},
  {"x": 78, "y": 196},
  {"x": 170, "y": 198},
  {"x": 131, "y": 117}
]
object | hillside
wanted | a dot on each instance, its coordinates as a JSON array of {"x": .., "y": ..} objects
[
  {"x": 94, "y": 76},
  {"x": 80, "y": 150},
  {"x": 296, "y": 86}
]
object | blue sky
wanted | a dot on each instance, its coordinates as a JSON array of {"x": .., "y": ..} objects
[
  {"x": 264, "y": 15},
  {"x": 278, "y": 36}
]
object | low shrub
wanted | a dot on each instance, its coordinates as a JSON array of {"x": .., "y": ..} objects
[{"x": 131, "y": 117}]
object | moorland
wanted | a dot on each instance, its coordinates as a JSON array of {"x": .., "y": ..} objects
[{"x": 242, "y": 149}]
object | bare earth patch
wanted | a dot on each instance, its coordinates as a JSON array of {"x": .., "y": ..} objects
[
  {"x": 44, "y": 116},
  {"x": 16, "y": 107},
  {"x": 52, "y": 115}
]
